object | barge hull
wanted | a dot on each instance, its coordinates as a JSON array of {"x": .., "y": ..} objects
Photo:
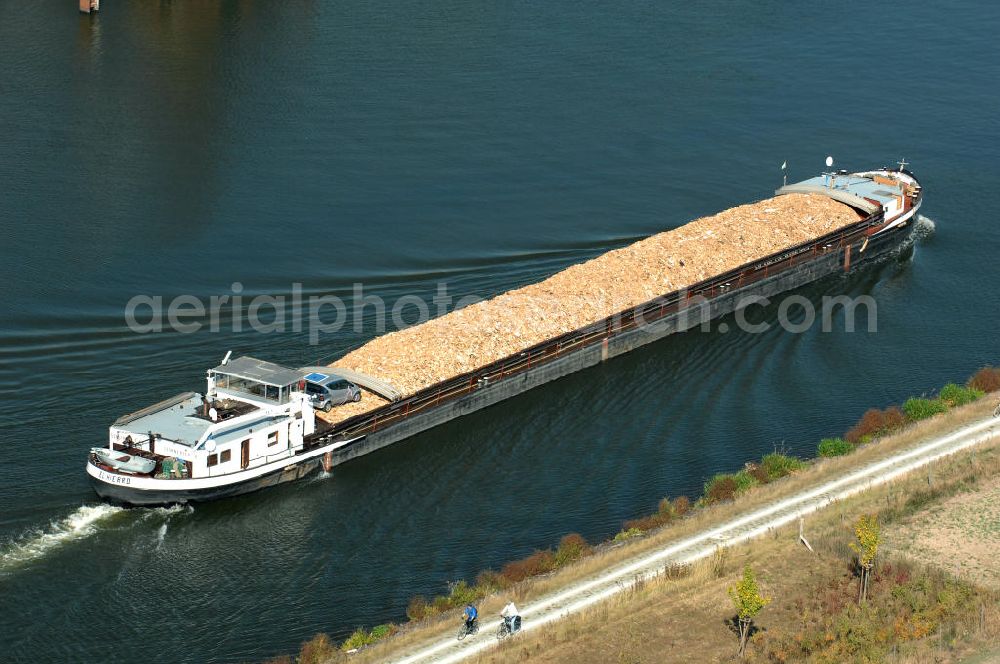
[
  {"x": 846, "y": 259},
  {"x": 123, "y": 494}
]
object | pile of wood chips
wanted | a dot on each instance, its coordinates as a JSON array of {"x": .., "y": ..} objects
[{"x": 472, "y": 337}]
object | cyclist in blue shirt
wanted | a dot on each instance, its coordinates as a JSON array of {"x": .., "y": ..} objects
[{"x": 470, "y": 615}]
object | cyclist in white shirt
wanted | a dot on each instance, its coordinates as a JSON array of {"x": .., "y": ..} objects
[{"x": 511, "y": 617}]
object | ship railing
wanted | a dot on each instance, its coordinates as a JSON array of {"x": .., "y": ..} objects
[{"x": 596, "y": 333}]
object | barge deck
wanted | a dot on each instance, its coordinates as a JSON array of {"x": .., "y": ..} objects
[{"x": 883, "y": 224}]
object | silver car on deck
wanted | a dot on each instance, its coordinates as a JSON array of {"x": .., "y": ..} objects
[{"x": 328, "y": 390}]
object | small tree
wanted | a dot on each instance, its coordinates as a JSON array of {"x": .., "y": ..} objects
[
  {"x": 748, "y": 602},
  {"x": 866, "y": 530}
]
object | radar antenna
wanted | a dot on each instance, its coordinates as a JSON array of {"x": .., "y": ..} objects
[{"x": 902, "y": 163}]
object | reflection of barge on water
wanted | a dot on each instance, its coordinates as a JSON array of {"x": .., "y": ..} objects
[{"x": 255, "y": 426}]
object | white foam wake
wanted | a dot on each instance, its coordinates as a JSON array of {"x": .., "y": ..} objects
[
  {"x": 34, "y": 545},
  {"x": 161, "y": 534},
  {"x": 925, "y": 227},
  {"x": 164, "y": 512}
]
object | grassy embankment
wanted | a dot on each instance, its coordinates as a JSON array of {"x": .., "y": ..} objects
[
  {"x": 574, "y": 559},
  {"x": 915, "y": 612}
]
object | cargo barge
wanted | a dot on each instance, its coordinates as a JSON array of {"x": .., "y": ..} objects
[{"x": 255, "y": 426}]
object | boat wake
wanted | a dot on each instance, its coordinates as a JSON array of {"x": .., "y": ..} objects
[
  {"x": 160, "y": 535},
  {"x": 82, "y": 523},
  {"x": 165, "y": 513},
  {"x": 33, "y": 545},
  {"x": 924, "y": 228}
]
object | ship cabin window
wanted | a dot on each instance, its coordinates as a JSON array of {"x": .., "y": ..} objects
[
  {"x": 213, "y": 459},
  {"x": 253, "y": 388},
  {"x": 247, "y": 386},
  {"x": 259, "y": 379},
  {"x": 272, "y": 438},
  {"x": 225, "y": 456}
]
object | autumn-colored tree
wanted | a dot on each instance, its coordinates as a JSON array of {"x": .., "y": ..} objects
[
  {"x": 748, "y": 601},
  {"x": 866, "y": 531}
]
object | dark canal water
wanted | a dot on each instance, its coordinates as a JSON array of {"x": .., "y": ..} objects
[{"x": 168, "y": 148}]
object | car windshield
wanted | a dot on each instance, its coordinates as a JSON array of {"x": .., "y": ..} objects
[{"x": 338, "y": 385}]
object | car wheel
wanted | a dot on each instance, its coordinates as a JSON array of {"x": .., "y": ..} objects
[
  {"x": 357, "y": 397},
  {"x": 327, "y": 406}
]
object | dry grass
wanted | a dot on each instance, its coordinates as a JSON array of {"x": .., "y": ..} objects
[
  {"x": 960, "y": 535},
  {"x": 609, "y": 556}
]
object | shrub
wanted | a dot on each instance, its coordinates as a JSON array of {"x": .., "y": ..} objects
[
  {"x": 317, "y": 650},
  {"x": 358, "y": 639},
  {"x": 893, "y": 418},
  {"x": 875, "y": 423},
  {"x": 418, "y": 608},
  {"x": 461, "y": 593},
  {"x": 382, "y": 631},
  {"x": 831, "y": 447},
  {"x": 682, "y": 505},
  {"x": 920, "y": 409},
  {"x": 645, "y": 523},
  {"x": 489, "y": 581},
  {"x": 744, "y": 482},
  {"x": 777, "y": 465},
  {"x": 986, "y": 379},
  {"x": 666, "y": 507},
  {"x": 440, "y": 604},
  {"x": 956, "y": 395},
  {"x": 905, "y": 603},
  {"x": 758, "y": 472},
  {"x": 571, "y": 547},
  {"x": 721, "y": 487},
  {"x": 627, "y": 534},
  {"x": 537, "y": 563}
]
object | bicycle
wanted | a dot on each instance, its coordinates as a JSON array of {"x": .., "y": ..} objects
[
  {"x": 467, "y": 630},
  {"x": 505, "y": 629}
]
